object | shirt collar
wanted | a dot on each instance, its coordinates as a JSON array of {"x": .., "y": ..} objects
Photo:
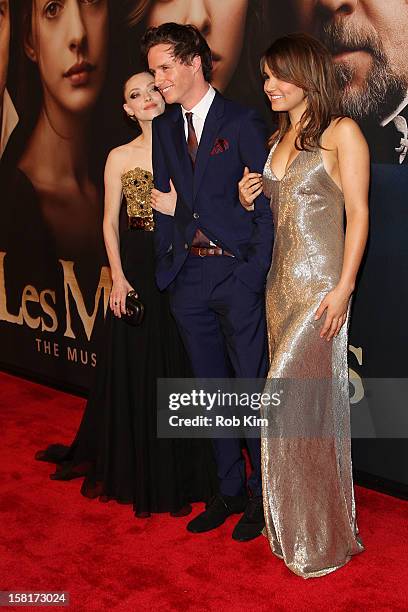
[
  {"x": 201, "y": 109},
  {"x": 401, "y": 107}
]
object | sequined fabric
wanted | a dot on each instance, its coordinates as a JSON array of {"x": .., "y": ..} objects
[
  {"x": 306, "y": 455},
  {"x": 137, "y": 185}
]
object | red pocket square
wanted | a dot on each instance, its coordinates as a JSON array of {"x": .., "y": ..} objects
[{"x": 220, "y": 145}]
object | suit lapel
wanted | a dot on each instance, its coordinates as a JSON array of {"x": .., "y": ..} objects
[{"x": 207, "y": 140}]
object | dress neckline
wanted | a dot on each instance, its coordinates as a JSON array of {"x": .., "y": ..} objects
[
  {"x": 137, "y": 168},
  {"x": 318, "y": 151},
  {"x": 288, "y": 168}
]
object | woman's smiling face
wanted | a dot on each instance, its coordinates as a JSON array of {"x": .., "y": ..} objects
[
  {"x": 142, "y": 99},
  {"x": 222, "y": 22}
]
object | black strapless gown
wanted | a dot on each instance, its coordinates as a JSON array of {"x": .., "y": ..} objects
[{"x": 116, "y": 447}]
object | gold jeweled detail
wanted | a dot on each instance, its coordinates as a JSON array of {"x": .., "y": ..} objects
[{"x": 137, "y": 185}]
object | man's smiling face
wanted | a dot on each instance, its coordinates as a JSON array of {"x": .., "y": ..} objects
[{"x": 174, "y": 79}]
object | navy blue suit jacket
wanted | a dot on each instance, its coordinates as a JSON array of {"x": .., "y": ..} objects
[{"x": 208, "y": 197}]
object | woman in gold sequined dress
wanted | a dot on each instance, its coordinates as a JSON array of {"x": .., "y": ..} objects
[
  {"x": 318, "y": 168},
  {"x": 116, "y": 448}
]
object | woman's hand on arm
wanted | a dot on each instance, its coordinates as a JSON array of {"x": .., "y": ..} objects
[
  {"x": 249, "y": 188},
  {"x": 113, "y": 199},
  {"x": 164, "y": 203},
  {"x": 354, "y": 167}
]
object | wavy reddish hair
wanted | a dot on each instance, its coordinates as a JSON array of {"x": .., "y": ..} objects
[{"x": 304, "y": 61}]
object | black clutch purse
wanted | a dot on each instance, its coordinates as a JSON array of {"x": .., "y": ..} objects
[{"x": 134, "y": 309}]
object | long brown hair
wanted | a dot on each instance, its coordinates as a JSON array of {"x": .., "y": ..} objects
[
  {"x": 304, "y": 61},
  {"x": 136, "y": 11}
]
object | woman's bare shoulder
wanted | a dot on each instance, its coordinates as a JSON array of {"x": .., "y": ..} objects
[
  {"x": 122, "y": 152},
  {"x": 121, "y": 156},
  {"x": 344, "y": 126},
  {"x": 341, "y": 130}
]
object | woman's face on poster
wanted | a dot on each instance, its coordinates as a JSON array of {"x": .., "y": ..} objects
[
  {"x": 4, "y": 44},
  {"x": 222, "y": 22},
  {"x": 68, "y": 41}
]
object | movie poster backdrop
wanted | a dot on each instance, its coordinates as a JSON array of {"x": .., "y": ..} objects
[{"x": 54, "y": 275}]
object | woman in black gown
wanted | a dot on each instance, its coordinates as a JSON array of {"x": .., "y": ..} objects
[{"x": 116, "y": 447}]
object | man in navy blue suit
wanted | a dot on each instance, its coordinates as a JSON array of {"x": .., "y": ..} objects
[{"x": 212, "y": 256}]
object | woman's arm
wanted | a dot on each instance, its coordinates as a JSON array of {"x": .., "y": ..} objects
[
  {"x": 113, "y": 199},
  {"x": 249, "y": 188},
  {"x": 251, "y": 184},
  {"x": 354, "y": 169}
]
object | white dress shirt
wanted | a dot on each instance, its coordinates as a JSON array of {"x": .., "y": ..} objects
[
  {"x": 401, "y": 126},
  {"x": 200, "y": 112},
  {"x": 397, "y": 111},
  {"x": 9, "y": 121}
]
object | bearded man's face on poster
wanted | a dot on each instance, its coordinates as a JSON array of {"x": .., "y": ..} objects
[{"x": 368, "y": 41}]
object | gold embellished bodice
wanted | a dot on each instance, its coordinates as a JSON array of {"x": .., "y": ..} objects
[{"x": 137, "y": 185}]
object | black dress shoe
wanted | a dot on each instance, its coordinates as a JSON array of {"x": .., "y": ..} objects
[
  {"x": 252, "y": 522},
  {"x": 218, "y": 509}
]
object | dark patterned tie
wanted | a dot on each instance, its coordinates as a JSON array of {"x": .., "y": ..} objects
[
  {"x": 200, "y": 239},
  {"x": 192, "y": 142}
]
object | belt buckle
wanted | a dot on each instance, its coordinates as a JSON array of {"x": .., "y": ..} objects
[{"x": 202, "y": 251}]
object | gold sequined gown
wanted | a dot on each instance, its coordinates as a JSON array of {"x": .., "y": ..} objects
[
  {"x": 306, "y": 456},
  {"x": 116, "y": 447}
]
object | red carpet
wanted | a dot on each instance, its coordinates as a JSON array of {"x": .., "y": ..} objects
[{"x": 53, "y": 539}]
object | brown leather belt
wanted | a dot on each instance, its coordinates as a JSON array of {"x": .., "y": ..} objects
[{"x": 209, "y": 251}]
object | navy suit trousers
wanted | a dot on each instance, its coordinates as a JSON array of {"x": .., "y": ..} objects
[{"x": 222, "y": 323}]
